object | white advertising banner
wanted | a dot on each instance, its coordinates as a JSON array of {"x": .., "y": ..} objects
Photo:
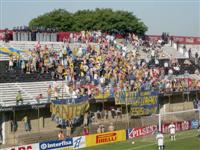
[
  {"x": 24, "y": 147},
  {"x": 79, "y": 142}
]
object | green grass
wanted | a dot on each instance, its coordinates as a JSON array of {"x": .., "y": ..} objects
[{"x": 187, "y": 140}]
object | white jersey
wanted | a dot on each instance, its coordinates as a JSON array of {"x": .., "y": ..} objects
[
  {"x": 160, "y": 139},
  {"x": 172, "y": 128}
]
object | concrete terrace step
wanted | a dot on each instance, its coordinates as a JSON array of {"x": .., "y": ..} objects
[
  {"x": 170, "y": 51},
  {"x": 29, "y": 138},
  {"x": 29, "y": 90}
]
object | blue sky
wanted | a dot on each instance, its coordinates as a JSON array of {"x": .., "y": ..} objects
[{"x": 178, "y": 17}]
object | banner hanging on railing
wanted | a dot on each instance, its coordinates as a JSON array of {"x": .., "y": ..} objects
[
  {"x": 71, "y": 100},
  {"x": 135, "y": 98},
  {"x": 66, "y": 111},
  {"x": 142, "y": 103}
]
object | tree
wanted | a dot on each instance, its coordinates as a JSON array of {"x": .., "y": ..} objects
[
  {"x": 106, "y": 20},
  {"x": 60, "y": 19}
]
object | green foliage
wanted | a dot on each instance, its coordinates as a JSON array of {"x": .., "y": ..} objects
[{"x": 105, "y": 20}]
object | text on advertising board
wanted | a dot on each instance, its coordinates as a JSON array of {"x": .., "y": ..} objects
[
  {"x": 143, "y": 131},
  {"x": 106, "y": 138},
  {"x": 56, "y": 144},
  {"x": 34, "y": 146},
  {"x": 29, "y": 147}
]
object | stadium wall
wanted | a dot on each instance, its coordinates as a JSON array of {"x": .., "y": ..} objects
[
  {"x": 176, "y": 39},
  {"x": 39, "y": 121}
]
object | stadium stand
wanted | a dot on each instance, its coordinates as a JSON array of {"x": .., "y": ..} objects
[
  {"x": 114, "y": 66},
  {"x": 29, "y": 90}
]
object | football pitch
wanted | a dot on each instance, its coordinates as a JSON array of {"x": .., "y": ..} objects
[{"x": 187, "y": 140}]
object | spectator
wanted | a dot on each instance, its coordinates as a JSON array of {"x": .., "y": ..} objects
[
  {"x": 23, "y": 66},
  {"x": 11, "y": 63},
  {"x": 38, "y": 98},
  {"x": 111, "y": 127},
  {"x": 102, "y": 129},
  {"x": 113, "y": 113},
  {"x": 85, "y": 120},
  {"x": 13, "y": 125},
  {"x": 68, "y": 131},
  {"x": 56, "y": 93},
  {"x": 86, "y": 131},
  {"x": 99, "y": 129},
  {"x": 189, "y": 53},
  {"x": 49, "y": 91},
  {"x": 61, "y": 136},
  {"x": 19, "y": 98},
  {"x": 26, "y": 124}
]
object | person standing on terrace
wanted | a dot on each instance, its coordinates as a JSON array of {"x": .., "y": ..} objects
[{"x": 19, "y": 98}]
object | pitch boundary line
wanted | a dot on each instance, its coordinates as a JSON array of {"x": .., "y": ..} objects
[{"x": 167, "y": 141}]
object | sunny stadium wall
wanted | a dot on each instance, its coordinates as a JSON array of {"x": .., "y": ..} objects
[{"x": 75, "y": 142}]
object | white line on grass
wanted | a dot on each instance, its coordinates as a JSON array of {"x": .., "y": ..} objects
[{"x": 167, "y": 141}]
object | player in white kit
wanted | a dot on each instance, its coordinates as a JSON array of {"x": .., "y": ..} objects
[
  {"x": 160, "y": 139},
  {"x": 172, "y": 131}
]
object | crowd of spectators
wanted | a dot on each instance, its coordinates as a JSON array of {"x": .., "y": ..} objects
[
  {"x": 107, "y": 64},
  {"x": 196, "y": 103},
  {"x": 100, "y": 60}
]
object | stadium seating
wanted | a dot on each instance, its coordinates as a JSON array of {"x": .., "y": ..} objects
[{"x": 29, "y": 90}]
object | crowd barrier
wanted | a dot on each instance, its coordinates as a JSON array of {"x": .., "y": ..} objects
[{"x": 104, "y": 138}]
